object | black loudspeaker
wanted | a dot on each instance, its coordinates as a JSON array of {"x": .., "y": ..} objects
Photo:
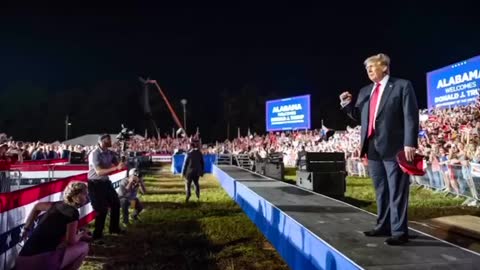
[
  {"x": 260, "y": 166},
  {"x": 77, "y": 158},
  {"x": 325, "y": 173},
  {"x": 331, "y": 184},
  {"x": 275, "y": 170},
  {"x": 325, "y": 162},
  {"x": 275, "y": 157}
]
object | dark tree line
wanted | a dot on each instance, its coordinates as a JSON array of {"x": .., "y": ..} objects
[{"x": 29, "y": 112}]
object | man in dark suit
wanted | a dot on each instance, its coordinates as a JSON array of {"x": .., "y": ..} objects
[
  {"x": 388, "y": 112},
  {"x": 193, "y": 170}
]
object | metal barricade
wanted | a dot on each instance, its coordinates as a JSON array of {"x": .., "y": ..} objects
[
  {"x": 456, "y": 179},
  {"x": 51, "y": 173},
  {"x": 451, "y": 178},
  {"x": 224, "y": 159},
  {"x": 356, "y": 167},
  {"x": 9, "y": 180},
  {"x": 243, "y": 161}
]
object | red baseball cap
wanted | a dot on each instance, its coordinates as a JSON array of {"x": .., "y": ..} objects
[{"x": 411, "y": 168}]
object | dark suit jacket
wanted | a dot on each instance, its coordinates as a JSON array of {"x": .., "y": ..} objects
[
  {"x": 194, "y": 164},
  {"x": 396, "y": 124}
]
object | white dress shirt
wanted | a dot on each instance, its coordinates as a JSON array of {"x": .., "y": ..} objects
[{"x": 383, "y": 84}]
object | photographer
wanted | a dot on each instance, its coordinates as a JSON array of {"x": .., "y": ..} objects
[
  {"x": 127, "y": 193},
  {"x": 101, "y": 163}
]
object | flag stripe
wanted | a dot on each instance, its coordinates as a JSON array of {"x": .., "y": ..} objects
[
  {"x": 44, "y": 161},
  {"x": 22, "y": 197},
  {"x": 48, "y": 167},
  {"x": 12, "y": 220}
]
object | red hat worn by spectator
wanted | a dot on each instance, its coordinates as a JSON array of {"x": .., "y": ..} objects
[{"x": 411, "y": 168}]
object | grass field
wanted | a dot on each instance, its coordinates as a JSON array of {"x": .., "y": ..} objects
[
  {"x": 423, "y": 204},
  {"x": 215, "y": 234},
  {"x": 211, "y": 234}
]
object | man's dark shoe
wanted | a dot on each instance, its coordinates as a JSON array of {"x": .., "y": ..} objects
[
  {"x": 119, "y": 232},
  {"x": 98, "y": 240},
  {"x": 375, "y": 233},
  {"x": 397, "y": 240}
]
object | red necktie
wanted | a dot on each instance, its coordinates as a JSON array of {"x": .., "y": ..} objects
[{"x": 373, "y": 106}]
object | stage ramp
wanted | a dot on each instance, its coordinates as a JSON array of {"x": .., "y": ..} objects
[{"x": 312, "y": 231}]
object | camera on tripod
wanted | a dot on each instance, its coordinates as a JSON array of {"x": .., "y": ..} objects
[
  {"x": 123, "y": 137},
  {"x": 125, "y": 134}
]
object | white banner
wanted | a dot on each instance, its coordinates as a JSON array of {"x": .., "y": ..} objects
[
  {"x": 475, "y": 169},
  {"x": 162, "y": 158}
]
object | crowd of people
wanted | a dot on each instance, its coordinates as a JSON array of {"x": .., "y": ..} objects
[
  {"x": 23, "y": 151},
  {"x": 163, "y": 145},
  {"x": 19, "y": 151},
  {"x": 290, "y": 143},
  {"x": 449, "y": 138}
]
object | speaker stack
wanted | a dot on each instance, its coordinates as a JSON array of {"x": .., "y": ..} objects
[
  {"x": 275, "y": 170},
  {"x": 324, "y": 173},
  {"x": 260, "y": 166},
  {"x": 77, "y": 158},
  {"x": 272, "y": 166}
]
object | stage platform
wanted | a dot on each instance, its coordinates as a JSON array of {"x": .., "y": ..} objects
[{"x": 312, "y": 231}]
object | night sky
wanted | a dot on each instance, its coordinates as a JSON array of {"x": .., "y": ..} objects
[{"x": 72, "y": 55}]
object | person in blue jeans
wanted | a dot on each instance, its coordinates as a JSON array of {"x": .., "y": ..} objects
[{"x": 127, "y": 193}]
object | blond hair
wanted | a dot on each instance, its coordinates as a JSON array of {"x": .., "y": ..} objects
[
  {"x": 73, "y": 189},
  {"x": 470, "y": 151},
  {"x": 381, "y": 58}
]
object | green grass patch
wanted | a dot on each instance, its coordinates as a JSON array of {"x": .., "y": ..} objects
[
  {"x": 291, "y": 179},
  {"x": 423, "y": 204},
  {"x": 213, "y": 233},
  {"x": 290, "y": 171}
]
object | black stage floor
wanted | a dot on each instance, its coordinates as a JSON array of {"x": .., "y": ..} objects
[{"x": 341, "y": 225}]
